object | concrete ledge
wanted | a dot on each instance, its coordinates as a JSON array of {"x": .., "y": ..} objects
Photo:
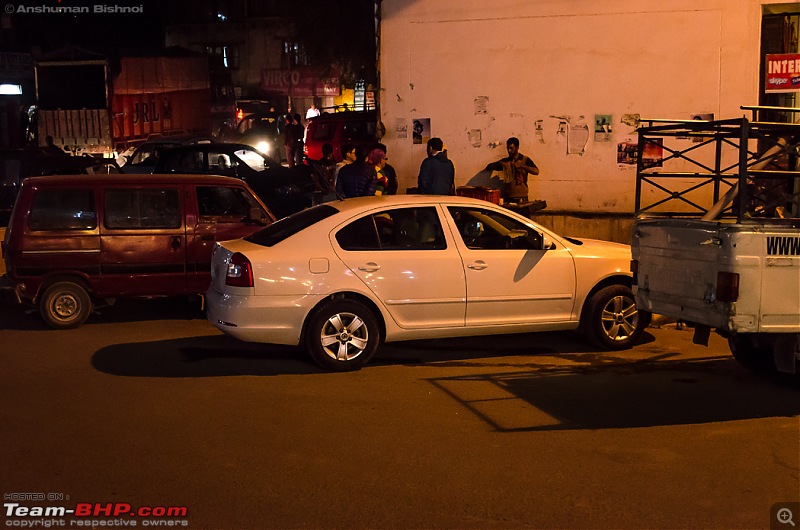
[{"x": 606, "y": 226}]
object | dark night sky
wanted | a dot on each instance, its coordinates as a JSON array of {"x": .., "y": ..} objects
[{"x": 97, "y": 32}]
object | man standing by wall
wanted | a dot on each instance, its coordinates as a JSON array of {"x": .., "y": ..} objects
[
  {"x": 515, "y": 167},
  {"x": 436, "y": 173}
]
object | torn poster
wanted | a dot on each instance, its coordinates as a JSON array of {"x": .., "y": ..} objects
[
  {"x": 481, "y": 105},
  {"x": 401, "y": 128},
  {"x": 475, "y": 137},
  {"x": 631, "y": 120},
  {"x": 577, "y": 138},
  {"x": 538, "y": 130}
]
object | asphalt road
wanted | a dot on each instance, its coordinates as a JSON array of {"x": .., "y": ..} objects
[{"x": 148, "y": 405}]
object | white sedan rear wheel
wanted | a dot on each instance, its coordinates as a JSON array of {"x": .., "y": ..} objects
[{"x": 342, "y": 335}]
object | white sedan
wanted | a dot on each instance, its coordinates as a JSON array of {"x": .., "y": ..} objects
[{"x": 341, "y": 277}]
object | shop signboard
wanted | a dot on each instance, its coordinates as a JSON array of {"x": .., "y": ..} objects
[
  {"x": 782, "y": 72},
  {"x": 359, "y": 97},
  {"x": 300, "y": 82}
]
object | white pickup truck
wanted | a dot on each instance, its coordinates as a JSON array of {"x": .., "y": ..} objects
[{"x": 734, "y": 266}]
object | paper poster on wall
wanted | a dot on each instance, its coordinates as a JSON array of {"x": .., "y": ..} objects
[
  {"x": 401, "y": 128},
  {"x": 475, "y": 137},
  {"x": 421, "y": 130},
  {"x": 481, "y": 105},
  {"x": 538, "y": 130},
  {"x": 631, "y": 120},
  {"x": 561, "y": 132},
  {"x": 627, "y": 152},
  {"x": 702, "y": 116},
  {"x": 602, "y": 128},
  {"x": 577, "y": 139},
  {"x": 653, "y": 152}
]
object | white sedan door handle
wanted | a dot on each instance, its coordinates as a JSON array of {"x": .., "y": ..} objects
[
  {"x": 369, "y": 267},
  {"x": 479, "y": 265}
]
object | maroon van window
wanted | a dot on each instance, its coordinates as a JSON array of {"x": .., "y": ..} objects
[
  {"x": 148, "y": 208},
  {"x": 62, "y": 210}
]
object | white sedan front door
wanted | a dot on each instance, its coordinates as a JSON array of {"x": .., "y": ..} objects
[{"x": 510, "y": 279}]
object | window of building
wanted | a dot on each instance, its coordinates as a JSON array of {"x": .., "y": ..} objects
[
  {"x": 293, "y": 55},
  {"x": 225, "y": 54}
]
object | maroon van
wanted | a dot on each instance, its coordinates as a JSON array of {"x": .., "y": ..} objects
[
  {"x": 73, "y": 240},
  {"x": 340, "y": 128}
]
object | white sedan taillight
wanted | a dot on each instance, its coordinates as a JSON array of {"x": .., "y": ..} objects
[{"x": 240, "y": 272}]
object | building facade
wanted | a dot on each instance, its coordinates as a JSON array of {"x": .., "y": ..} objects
[
  {"x": 572, "y": 80},
  {"x": 268, "y": 50}
]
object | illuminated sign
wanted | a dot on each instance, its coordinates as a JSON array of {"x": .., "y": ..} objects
[{"x": 10, "y": 90}]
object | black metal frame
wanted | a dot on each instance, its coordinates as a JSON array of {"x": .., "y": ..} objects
[{"x": 751, "y": 172}]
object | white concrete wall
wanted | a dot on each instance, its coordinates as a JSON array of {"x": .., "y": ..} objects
[{"x": 535, "y": 59}]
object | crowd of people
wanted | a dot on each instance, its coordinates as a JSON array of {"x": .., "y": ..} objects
[
  {"x": 360, "y": 173},
  {"x": 367, "y": 172}
]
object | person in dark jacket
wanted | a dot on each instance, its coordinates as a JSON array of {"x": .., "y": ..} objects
[
  {"x": 437, "y": 174},
  {"x": 357, "y": 179}
]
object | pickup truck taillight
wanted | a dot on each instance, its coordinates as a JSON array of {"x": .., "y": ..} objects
[
  {"x": 727, "y": 286},
  {"x": 240, "y": 272}
]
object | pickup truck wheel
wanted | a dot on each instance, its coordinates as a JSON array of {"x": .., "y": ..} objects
[
  {"x": 753, "y": 356},
  {"x": 65, "y": 305},
  {"x": 342, "y": 335},
  {"x": 611, "y": 320}
]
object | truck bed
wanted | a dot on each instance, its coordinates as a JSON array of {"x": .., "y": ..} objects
[{"x": 679, "y": 262}]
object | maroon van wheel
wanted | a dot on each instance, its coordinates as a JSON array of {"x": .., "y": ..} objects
[{"x": 65, "y": 305}]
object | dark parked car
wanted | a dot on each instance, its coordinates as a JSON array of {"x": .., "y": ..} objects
[
  {"x": 262, "y": 131},
  {"x": 144, "y": 158},
  {"x": 285, "y": 191}
]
